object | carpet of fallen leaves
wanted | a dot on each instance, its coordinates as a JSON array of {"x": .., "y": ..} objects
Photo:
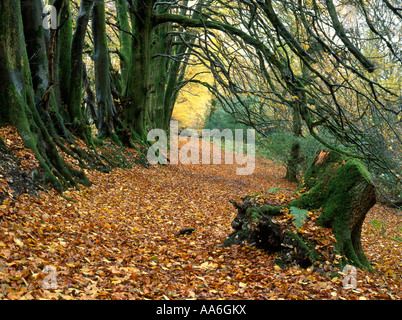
[{"x": 115, "y": 240}]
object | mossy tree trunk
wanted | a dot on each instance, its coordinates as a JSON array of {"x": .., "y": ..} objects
[
  {"x": 162, "y": 46},
  {"x": 75, "y": 114},
  {"x": 17, "y": 101},
  {"x": 337, "y": 187},
  {"x": 138, "y": 81},
  {"x": 124, "y": 39},
  {"x": 177, "y": 67},
  {"x": 295, "y": 157},
  {"x": 107, "y": 119},
  {"x": 62, "y": 65},
  {"x": 153, "y": 80},
  {"x": 343, "y": 188},
  {"x": 35, "y": 42}
]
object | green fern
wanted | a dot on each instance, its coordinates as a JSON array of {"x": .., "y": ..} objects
[
  {"x": 274, "y": 190},
  {"x": 299, "y": 216}
]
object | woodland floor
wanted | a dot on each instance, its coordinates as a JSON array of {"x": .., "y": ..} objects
[{"x": 115, "y": 239}]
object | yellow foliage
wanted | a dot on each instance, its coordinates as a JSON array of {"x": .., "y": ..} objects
[{"x": 193, "y": 102}]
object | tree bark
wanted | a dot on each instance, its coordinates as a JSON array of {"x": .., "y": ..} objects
[
  {"x": 62, "y": 64},
  {"x": 159, "y": 72},
  {"x": 337, "y": 187},
  {"x": 153, "y": 81},
  {"x": 295, "y": 157},
  {"x": 177, "y": 68},
  {"x": 138, "y": 82},
  {"x": 17, "y": 102},
  {"x": 36, "y": 45},
  {"x": 74, "y": 105},
  {"x": 125, "y": 40},
  {"x": 106, "y": 116}
]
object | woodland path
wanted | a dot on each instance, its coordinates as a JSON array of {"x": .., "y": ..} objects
[{"x": 115, "y": 240}]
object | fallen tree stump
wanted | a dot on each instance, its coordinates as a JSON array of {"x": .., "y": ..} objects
[{"x": 335, "y": 193}]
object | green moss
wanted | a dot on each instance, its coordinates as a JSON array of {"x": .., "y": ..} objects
[
  {"x": 309, "y": 248},
  {"x": 330, "y": 186},
  {"x": 337, "y": 192},
  {"x": 254, "y": 214},
  {"x": 270, "y": 210}
]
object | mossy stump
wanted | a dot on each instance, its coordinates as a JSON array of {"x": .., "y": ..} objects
[{"x": 338, "y": 187}]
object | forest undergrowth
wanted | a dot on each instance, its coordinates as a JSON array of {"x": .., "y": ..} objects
[{"x": 116, "y": 239}]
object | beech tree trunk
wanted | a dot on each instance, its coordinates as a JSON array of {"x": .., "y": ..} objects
[
  {"x": 75, "y": 95},
  {"x": 295, "y": 157},
  {"x": 62, "y": 65},
  {"x": 17, "y": 100},
  {"x": 35, "y": 42},
  {"x": 338, "y": 187},
  {"x": 124, "y": 39},
  {"x": 138, "y": 81},
  {"x": 106, "y": 117}
]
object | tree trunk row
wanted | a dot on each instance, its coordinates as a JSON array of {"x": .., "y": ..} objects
[{"x": 43, "y": 79}]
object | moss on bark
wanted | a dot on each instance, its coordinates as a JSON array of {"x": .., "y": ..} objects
[
  {"x": 338, "y": 187},
  {"x": 342, "y": 187},
  {"x": 18, "y": 104}
]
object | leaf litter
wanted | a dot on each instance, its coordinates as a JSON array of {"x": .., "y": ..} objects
[{"x": 116, "y": 240}]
